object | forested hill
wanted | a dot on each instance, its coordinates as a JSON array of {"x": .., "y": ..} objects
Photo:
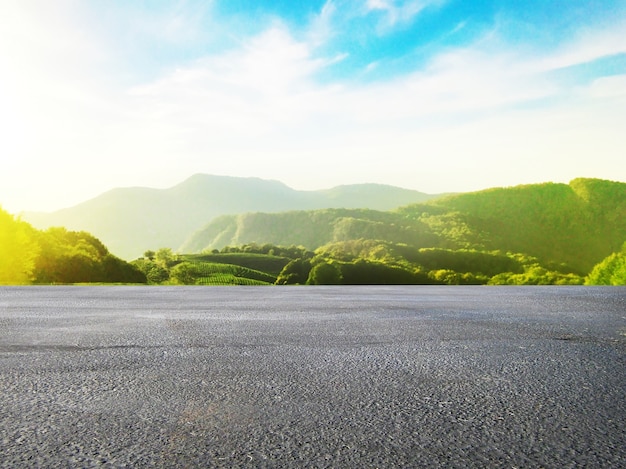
[
  {"x": 128, "y": 220},
  {"x": 309, "y": 229},
  {"x": 571, "y": 226},
  {"x": 578, "y": 224}
]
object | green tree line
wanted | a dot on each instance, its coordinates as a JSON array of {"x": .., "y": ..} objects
[
  {"x": 56, "y": 255},
  {"x": 353, "y": 262}
]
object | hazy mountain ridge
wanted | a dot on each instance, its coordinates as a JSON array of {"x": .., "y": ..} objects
[{"x": 131, "y": 220}]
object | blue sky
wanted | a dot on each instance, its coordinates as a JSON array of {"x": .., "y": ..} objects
[{"x": 432, "y": 95}]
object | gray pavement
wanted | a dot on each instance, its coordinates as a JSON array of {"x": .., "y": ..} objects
[{"x": 358, "y": 377}]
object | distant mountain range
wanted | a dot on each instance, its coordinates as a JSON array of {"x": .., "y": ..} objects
[
  {"x": 568, "y": 228},
  {"x": 134, "y": 219}
]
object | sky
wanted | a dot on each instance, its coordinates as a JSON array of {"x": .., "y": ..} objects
[{"x": 432, "y": 95}]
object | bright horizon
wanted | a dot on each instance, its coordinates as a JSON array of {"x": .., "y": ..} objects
[{"x": 431, "y": 95}]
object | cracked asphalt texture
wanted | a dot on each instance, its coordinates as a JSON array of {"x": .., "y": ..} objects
[{"x": 322, "y": 377}]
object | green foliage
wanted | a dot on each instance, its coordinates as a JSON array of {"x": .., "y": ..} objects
[
  {"x": 364, "y": 272},
  {"x": 115, "y": 270},
  {"x": 610, "y": 271},
  {"x": 250, "y": 264},
  {"x": 357, "y": 262},
  {"x": 18, "y": 250},
  {"x": 369, "y": 249},
  {"x": 79, "y": 257},
  {"x": 186, "y": 273},
  {"x": 155, "y": 273},
  {"x": 481, "y": 263},
  {"x": 267, "y": 249},
  {"x": 296, "y": 272},
  {"x": 380, "y": 262},
  {"x": 57, "y": 256},
  {"x": 165, "y": 257},
  {"x": 445, "y": 276},
  {"x": 325, "y": 273},
  {"x": 574, "y": 226},
  {"x": 448, "y": 229},
  {"x": 536, "y": 276}
]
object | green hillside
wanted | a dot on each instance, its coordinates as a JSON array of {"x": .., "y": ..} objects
[
  {"x": 310, "y": 229},
  {"x": 577, "y": 224},
  {"x": 566, "y": 227}
]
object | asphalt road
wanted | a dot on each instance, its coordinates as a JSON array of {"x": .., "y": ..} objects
[{"x": 357, "y": 377}]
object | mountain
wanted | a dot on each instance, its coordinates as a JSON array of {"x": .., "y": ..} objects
[
  {"x": 131, "y": 220},
  {"x": 568, "y": 227}
]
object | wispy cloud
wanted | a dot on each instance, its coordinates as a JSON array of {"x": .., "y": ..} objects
[
  {"x": 586, "y": 46},
  {"x": 397, "y": 12},
  {"x": 273, "y": 75}
]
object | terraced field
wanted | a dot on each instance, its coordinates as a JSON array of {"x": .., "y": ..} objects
[{"x": 213, "y": 273}]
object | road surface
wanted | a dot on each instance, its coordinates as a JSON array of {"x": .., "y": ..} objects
[{"x": 312, "y": 377}]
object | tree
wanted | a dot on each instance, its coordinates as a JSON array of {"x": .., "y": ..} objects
[
  {"x": 325, "y": 274},
  {"x": 611, "y": 271},
  {"x": 295, "y": 272},
  {"x": 185, "y": 273},
  {"x": 446, "y": 276},
  {"x": 155, "y": 273},
  {"x": 18, "y": 250},
  {"x": 165, "y": 257},
  {"x": 77, "y": 256}
]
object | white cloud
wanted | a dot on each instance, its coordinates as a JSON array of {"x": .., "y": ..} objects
[
  {"x": 267, "y": 81},
  {"x": 263, "y": 99},
  {"x": 472, "y": 115}
]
